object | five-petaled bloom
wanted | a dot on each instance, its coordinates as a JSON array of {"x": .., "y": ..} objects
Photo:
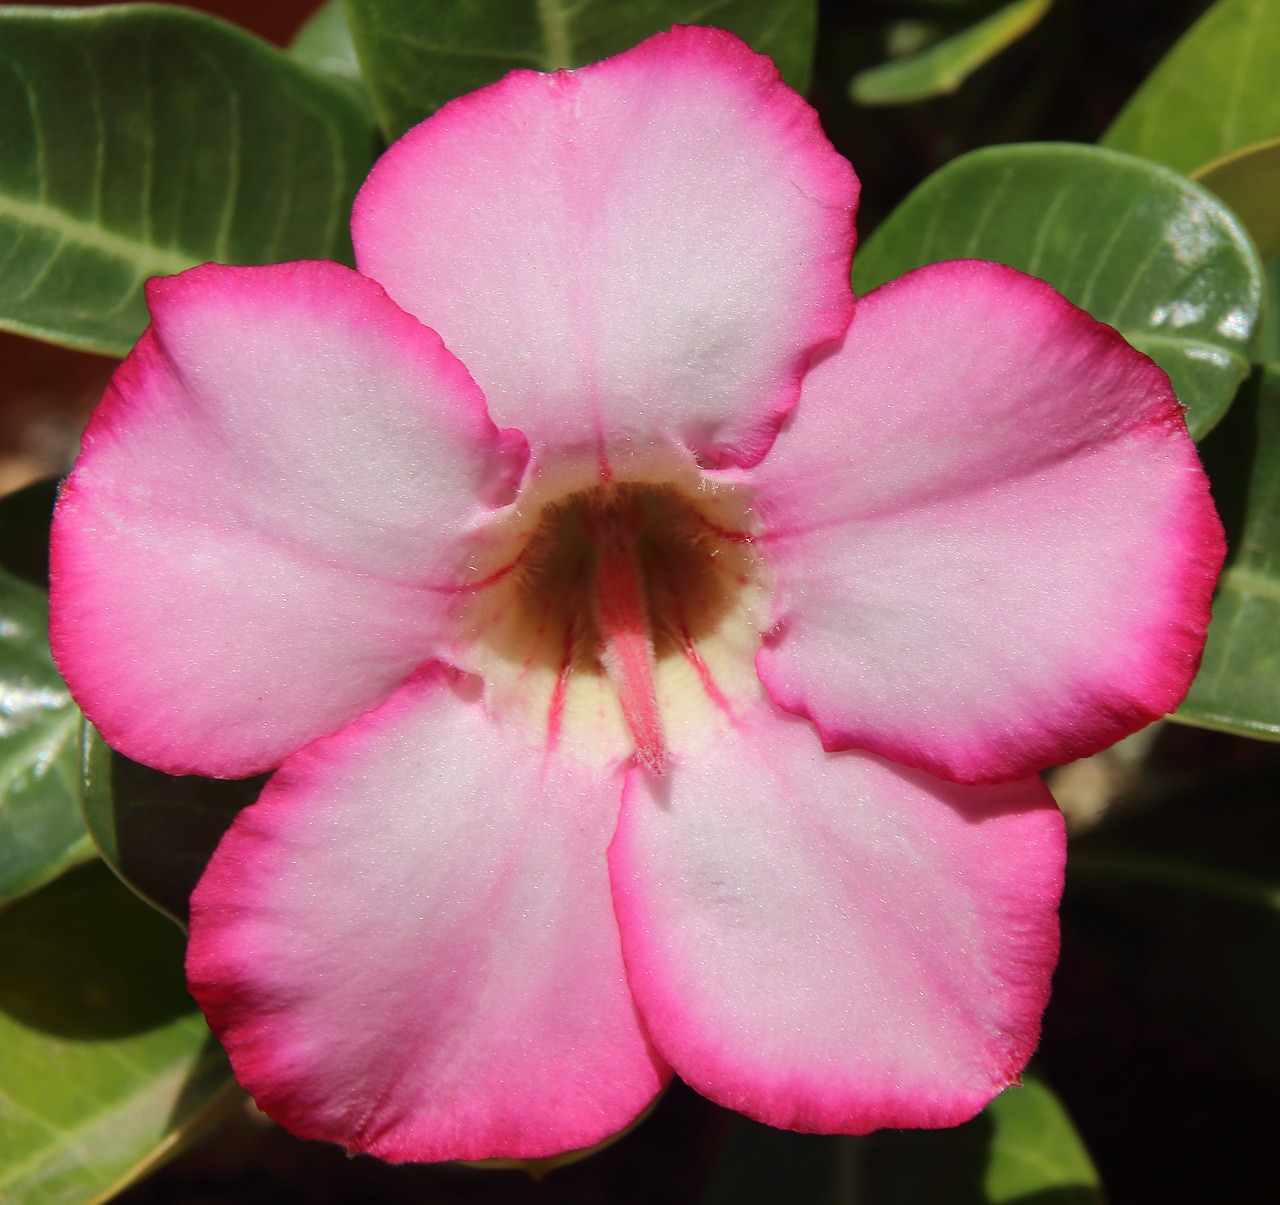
[{"x": 656, "y": 655}]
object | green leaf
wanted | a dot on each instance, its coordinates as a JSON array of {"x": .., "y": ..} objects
[
  {"x": 136, "y": 141},
  {"x": 1238, "y": 686},
  {"x": 946, "y": 64},
  {"x": 324, "y": 42},
  {"x": 41, "y": 832},
  {"x": 156, "y": 831},
  {"x": 106, "y": 1067},
  {"x": 1268, "y": 349},
  {"x": 1021, "y": 1149},
  {"x": 1248, "y": 181},
  {"x": 1136, "y": 245},
  {"x": 1035, "y": 1152},
  {"x": 324, "y": 45},
  {"x": 416, "y": 56},
  {"x": 1213, "y": 93}
]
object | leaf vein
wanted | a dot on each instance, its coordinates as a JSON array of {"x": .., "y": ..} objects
[{"x": 150, "y": 258}]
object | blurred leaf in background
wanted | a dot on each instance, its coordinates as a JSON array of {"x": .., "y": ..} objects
[
  {"x": 1214, "y": 93},
  {"x": 942, "y": 66},
  {"x": 1248, "y": 181},
  {"x": 416, "y": 56},
  {"x": 324, "y": 44}
]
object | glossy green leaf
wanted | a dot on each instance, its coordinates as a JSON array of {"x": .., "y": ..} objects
[
  {"x": 106, "y": 1066},
  {"x": 136, "y": 141},
  {"x": 1213, "y": 93},
  {"x": 416, "y": 56},
  {"x": 947, "y": 63},
  {"x": 1021, "y": 1149},
  {"x": 156, "y": 831},
  {"x": 41, "y": 832},
  {"x": 1238, "y": 686},
  {"x": 1136, "y": 245},
  {"x": 1248, "y": 181}
]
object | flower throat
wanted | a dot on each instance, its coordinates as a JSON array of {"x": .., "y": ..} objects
[{"x": 614, "y": 581}]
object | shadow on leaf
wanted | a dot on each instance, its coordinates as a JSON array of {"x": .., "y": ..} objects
[
  {"x": 156, "y": 830},
  {"x": 84, "y": 959}
]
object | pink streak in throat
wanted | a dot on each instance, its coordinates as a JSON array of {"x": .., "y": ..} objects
[
  {"x": 700, "y": 667},
  {"x": 555, "y": 713},
  {"x": 626, "y": 649}
]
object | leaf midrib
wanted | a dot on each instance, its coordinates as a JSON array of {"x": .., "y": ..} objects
[{"x": 145, "y": 257}]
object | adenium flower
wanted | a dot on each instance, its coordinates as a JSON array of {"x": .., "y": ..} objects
[{"x": 656, "y": 654}]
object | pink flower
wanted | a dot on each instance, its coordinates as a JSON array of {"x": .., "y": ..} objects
[{"x": 580, "y": 663}]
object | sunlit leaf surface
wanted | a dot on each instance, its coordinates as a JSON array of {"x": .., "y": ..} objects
[
  {"x": 1214, "y": 93},
  {"x": 1136, "y": 245},
  {"x": 137, "y": 141},
  {"x": 417, "y": 56},
  {"x": 945, "y": 65},
  {"x": 105, "y": 1064}
]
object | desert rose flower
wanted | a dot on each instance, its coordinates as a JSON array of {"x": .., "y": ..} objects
[{"x": 656, "y": 661}]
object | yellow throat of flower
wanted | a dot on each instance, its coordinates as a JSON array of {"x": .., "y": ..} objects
[{"x": 618, "y": 612}]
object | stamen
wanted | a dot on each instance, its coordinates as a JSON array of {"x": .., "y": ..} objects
[{"x": 626, "y": 642}]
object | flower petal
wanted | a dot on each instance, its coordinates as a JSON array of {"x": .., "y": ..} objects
[
  {"x": 827, "y": 942},
  {"x": 407, "y": 945},
  {"x": 1010, "y": 564},
  {"x": 258, "y": 541},
  {"x": 645, "y": 248}
]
